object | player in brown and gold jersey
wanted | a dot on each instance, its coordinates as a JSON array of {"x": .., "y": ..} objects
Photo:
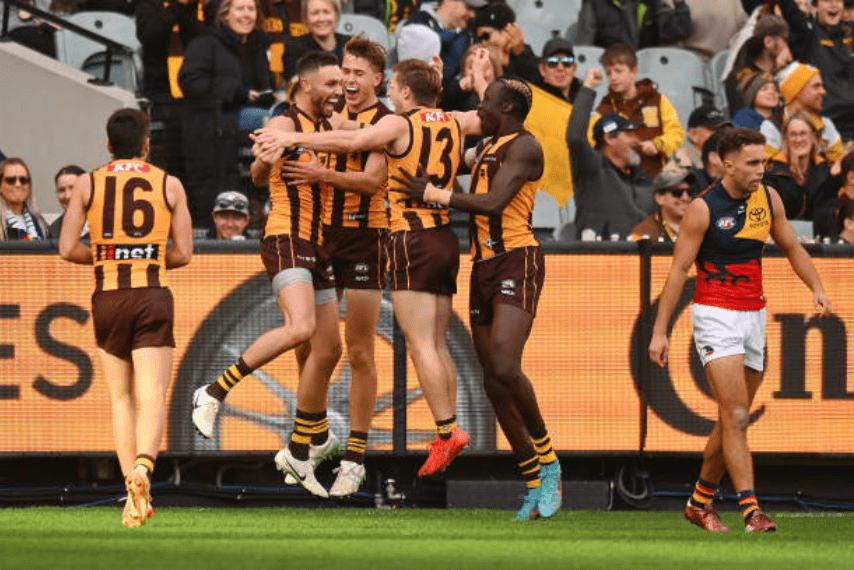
[
  {"x": 355, "y": 238},
  {"x": 132, "y": 208},
  {"x": 302, "y": 281},
  {"x": 506, "y": 279},
  {"x": 424, "y": 252}
]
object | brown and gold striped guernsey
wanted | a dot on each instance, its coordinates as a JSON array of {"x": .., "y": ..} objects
[
  {"x": 343, "y": 209},
  {"x": 296, "y": 208},
  {"x": 512, "y": 228},
  {"x": 129, "y": 223},
  {"x": 434, "y": 143}
]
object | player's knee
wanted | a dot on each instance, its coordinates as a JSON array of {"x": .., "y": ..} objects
[
  {"x": 360, "y": 355},
  {"x": 302, "y": 329},
  {"x": 495, "y": 390},
  {"x": 740, "y": 417}
]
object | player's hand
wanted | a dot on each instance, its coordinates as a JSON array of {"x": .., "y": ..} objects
[
  {"x": 516, "y": 40},
  {"x": 267, "y": 155},
  {"x": 269, "y": 138},
  {"x": 593, "y": 78},
  {"x": 822, "y": 304},
  {"x": 301, "y": 172},
  {"x": 438, "y": 65},
  {"x": 659, "y": 349},
  {"x": 412, "y": 186}
]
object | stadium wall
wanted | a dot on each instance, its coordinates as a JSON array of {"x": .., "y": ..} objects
[{"x": 586, "y": 358}]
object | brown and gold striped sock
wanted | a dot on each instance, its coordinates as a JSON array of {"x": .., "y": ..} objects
[
  {"x": 305, "y": 426},
  {"x": 530, "y": 469},
  {"x": 357, "y": 443},
  {"x": 543, "y": 445},
  {"x": 320, "y": 429},
  {"x": 229, "y": 379}
]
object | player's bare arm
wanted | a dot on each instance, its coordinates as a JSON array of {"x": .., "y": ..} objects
[
  {"x": 691, "y": 233},
  {"x": 70, "y": 246},
  {"x": 389, "y": 133},
  {"x": 785, "y": 238},
  {"x": 267, "y": 155},
  {"x": 181, "y": 250},
  {"x": 366, "y": 182}
]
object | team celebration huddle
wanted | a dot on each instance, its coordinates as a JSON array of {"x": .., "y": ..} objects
[{"x": 360, "y": 200}]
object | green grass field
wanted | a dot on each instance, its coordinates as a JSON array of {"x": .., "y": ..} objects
[{"x": 342, "y": 539}]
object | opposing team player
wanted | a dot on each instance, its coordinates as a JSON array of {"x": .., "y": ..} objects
[
  {"x": 424, "y": 251},
  {"x": 302, "y": 282},
  {"x": 506, "y": 280},
  {"x": 355, "y": 238},
  {"x": 724, "y": 232},
  {"x": 132, "y": 208}
]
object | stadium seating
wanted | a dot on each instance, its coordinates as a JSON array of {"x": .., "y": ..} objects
[
  {"x": 803, "y": 229},
  {"x": 123, "y": 70},
  {"x": 536, "y": 35},
  {"x": 354, "y": 24},
  {"x": 554, "y": 16},
  {"x": 716, "y": 68},
  {"x": 675, "y": 71},
  {"x": 73, "y": 49},
  {"x": 546, "y": 216},
  {"x": 587, "y": 57}
]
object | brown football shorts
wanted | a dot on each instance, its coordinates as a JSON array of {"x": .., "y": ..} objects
[
  {"x": 281, "y": 252},
  {"x": 128, "y": 319},
  {"x": 359, "y": 257},
  {"x": 513, "y": 278},
  {"x": 424, "y": 260}
]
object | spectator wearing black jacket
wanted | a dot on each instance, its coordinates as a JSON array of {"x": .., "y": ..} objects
[
  {"x": 826, "y": 41},
  {"x": 225, "y": 68},
  {"x": 495, "y": 27},
  {"x": 321, "y": 18},
  {"x": 636, "y": 23},
  {"x": 557, "y": 69}
]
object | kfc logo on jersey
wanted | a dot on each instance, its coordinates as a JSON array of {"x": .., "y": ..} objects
[
  {"x": 434, "y": 117},
  {"x": 726, "y": 223},
  {"x": 137, "y": 167},
  {"x": 117, "y": 252}
]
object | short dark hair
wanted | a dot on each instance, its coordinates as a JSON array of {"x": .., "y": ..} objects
[
  {"x": 734, "y": 140},
  {"x": 370, "y": 51},
  {"x": 70, "y": 169},
  {"x": 312, "y": 61},
  {"x": 848, "y": 163},
  {"x": 619, "y": 53},
  {"x": 845, "y": 212},
  {"x": 711, "y": 145},
  {"x": 127, "y": 130},
  {"x": 424, "y": 82}
]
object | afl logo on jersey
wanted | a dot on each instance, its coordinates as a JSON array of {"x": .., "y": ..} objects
[
  {"x": 434, "y": 117},
  {"x": 726, "y": 223},
  {"x": 128, "y": 167}
]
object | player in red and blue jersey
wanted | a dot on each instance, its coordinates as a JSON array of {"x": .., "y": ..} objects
[{"x": 724, "y": 231}]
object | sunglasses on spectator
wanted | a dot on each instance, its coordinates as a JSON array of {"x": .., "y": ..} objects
[
  {"x": 678, "y": 192},
  {"x": 484, "y": 37},
  {"x": 566, "y": 60},
  {"x": 12, "y": 179},
  {"x": 231, "y": 204}
]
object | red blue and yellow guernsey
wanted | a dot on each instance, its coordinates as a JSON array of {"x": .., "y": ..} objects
[{"x": 729, "y": 263}]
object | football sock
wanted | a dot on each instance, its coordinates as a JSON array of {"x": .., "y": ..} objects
[
  {"x": 747, "y": 503},
  {"x": 229, "y": 379},
  {"x": 543, "y": 445},
  {"x": 704, "y": 494},
  {"x": 320, "y": 430},
  {"x": 305, "y": 426},
  {"x": 146, "y": 462},
  {"x": 356, "y": 445},
  {"x": 445, "y": 428},
  {"x": 530, "y": 469}
]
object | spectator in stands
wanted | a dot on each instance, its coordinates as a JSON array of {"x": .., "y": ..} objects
[
  {"x": 802, "y": 177},
  {"x": 845, "y": 220},
  {"x": 225, "y": 68},
  {"x": 767, "y": 50},
  {"x": 802, "y": 88},
  {"x": 19, "y": 216},
  {"x": 495, "y": 27},
  {"x": 640, "y": 24},
  {"x": 848, "y": 11},
  {"x": 321, "y": 18},
  {"x": 846, "y": 172},
  {"x": 65, "y": 180},
  {"x": 612, "y": 192},
  {"x": 673, "y": 193},
  {"x": 464, "y": 96},
  {"x": 825, "y": 41},
  {"x": 703, "y": 122},
  {"x": 449, "y": 20},
  {"x": 763, "y": 111},
  {"x": 713, "y": 166},
  {"x": 660, "y": 134},
  {"x": 713, "y": 24},
  {"x": 557, "y": 69},
  {"x": 230, "y": 216}
]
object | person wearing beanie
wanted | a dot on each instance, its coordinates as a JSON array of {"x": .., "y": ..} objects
[
  {"x": 824, "y": 39},
  {"x": 767, "y": 50},
  {"x": 802, "y": 89},
  {"x": 763, "y": 110},
  {"x": 495, "y": 27}
]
